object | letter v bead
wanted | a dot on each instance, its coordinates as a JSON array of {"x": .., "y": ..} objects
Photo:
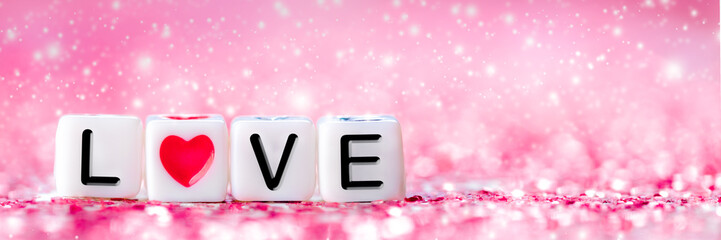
[{"x": 279, "y": 161}]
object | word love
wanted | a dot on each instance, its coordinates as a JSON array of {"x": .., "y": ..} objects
[{"x": 193, "y": 158}]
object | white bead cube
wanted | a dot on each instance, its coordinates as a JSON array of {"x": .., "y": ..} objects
[
  {"x": 187, "y": 158},
  {"x": 272, "y": 158},
  {"x": 360, "y": 159},
  {"x": 98, "y": 156}
]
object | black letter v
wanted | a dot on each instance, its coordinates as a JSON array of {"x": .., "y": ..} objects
[{"x": 271, "y": 181}]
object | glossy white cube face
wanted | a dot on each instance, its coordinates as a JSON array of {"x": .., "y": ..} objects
[
  {"x": 98, "y": 156},
  {"x": 360, "y": 158},
  {"x": 186, "y": 158},
  {"x": 272, "y": 158}
]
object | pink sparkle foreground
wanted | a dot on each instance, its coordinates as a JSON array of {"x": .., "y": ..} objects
[{"x": 533, "y": 119}]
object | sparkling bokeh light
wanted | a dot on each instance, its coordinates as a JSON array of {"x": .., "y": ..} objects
[{"x": 567, "y": 111}]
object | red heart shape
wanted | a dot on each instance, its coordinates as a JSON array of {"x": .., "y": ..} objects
[
  {"x": 186, "y": 117},
  {"x": 187, "y": 161}
]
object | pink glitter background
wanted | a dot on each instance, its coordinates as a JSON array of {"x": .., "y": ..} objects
[{"x": 595, "y": 119}]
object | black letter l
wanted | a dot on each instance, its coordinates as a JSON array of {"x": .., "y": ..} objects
[{"x": 85, "y": 176}]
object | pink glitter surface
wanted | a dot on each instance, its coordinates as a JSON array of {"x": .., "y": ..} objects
[{"x": 534, "y": 119}]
